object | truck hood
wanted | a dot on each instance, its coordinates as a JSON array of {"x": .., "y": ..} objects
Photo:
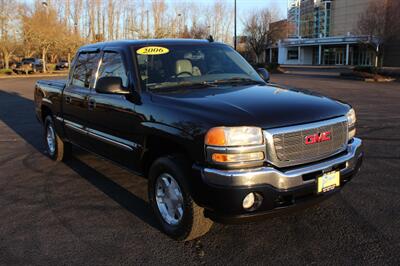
[{"x": 255, "y": 105}]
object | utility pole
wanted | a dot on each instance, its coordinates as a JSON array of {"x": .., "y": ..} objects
[{"x": 234, "y": 38}]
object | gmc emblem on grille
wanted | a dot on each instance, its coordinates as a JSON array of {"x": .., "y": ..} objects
[{"x": 318, "y": 137}]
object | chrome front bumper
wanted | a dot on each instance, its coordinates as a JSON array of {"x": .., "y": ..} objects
[{"x": 283, "y": 179}]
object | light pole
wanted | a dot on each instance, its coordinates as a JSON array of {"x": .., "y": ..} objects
[
  {"x": 234, "y": 38},
  {"x": 179, "y": 24},
  {"x": 46, "y": 6}
]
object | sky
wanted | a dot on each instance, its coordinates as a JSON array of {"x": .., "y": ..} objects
[
  {"x": 244, "y": 6},
  {"x": 249, "y": 5}
]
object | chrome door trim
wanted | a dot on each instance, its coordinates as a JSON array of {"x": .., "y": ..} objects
[
  {"x": 113, "y": 140},
  {"x": 59, "y": 118},
  {"x": 74, "y": 126},
  {"x": 99, "y": 135}
]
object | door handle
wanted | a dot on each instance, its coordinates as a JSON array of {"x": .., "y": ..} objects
[
  {"x": 68, "y": 99},
  {"x": 91, "y": 104}
]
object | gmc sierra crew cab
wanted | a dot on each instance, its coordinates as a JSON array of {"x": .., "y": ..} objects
[{"x": 215, "y": 139}]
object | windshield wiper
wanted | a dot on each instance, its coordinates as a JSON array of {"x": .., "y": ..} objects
[
  {"x": 178, "y": 85},
  {"x": 203, "y": 84},
  {"x": 237, "y": 80}
]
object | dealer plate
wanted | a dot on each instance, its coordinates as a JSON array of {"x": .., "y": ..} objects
[{"x": 328, "y": 181}]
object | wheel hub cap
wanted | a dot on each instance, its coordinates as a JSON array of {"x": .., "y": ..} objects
[
  {"x": 169, "y": 199},
  {"x": 50, "y": 137}
]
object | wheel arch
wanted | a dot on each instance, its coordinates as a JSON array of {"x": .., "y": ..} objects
[
  {"x": 157, "y": 146},
  {"x": 45, "y": 111}
]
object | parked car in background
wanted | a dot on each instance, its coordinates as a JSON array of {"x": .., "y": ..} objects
[
  {"x": 29, "y": 65},
  {"x": 63, "y": 64}
]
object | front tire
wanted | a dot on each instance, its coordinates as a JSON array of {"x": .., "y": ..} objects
[
  {"x": 180, "y": 217},
  {"x": 57, "y": 149}
]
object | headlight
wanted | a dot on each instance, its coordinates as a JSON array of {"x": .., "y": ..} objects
[
  {"x": 234, "y": 136},
  {"x": 351, "y": 120},
  {"x": 235, "y": 146}
]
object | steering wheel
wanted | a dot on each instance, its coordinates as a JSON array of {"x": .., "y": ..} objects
[
  {"x": 184, "y": 72},
  {"x": 215, "y": 71}
]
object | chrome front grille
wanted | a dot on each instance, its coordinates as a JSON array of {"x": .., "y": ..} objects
[{"x": 287, "y": 146}]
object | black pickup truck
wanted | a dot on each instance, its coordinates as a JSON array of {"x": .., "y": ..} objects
[{"x": 215, "y": 139}]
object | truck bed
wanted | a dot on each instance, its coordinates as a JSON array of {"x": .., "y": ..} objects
[
  {"x": 52, "y": 82},
  {"x": 48, "y": 95}
]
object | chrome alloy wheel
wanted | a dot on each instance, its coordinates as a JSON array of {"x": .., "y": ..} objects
[
  {"x": 169, "y": 199},
  {"x": 51, "y": 139}
]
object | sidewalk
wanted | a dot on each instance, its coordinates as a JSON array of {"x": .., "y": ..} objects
[
  {"x": 345, "y": 72},
  {"x": 332, "y": 69}
]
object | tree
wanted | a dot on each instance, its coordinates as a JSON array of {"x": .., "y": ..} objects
[
  {"x": 53, "y": 29},
  {"x": 380, "y": 20},
  {"x": 258, "y": 31},
  {"x": 8, "y": 32},
  {"x": 199, "y": 31},
  {"x": 43, "y": 29}
]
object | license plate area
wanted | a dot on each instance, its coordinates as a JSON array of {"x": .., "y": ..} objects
[{"x": 328, "y": 181}]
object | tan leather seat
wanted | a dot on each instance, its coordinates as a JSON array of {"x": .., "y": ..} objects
[
  {"x": 183, "y": 68},
  {"x": 196, "y": 71}
]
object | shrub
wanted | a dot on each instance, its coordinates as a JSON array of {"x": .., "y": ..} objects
[
  {"x": 6, "y": 71},
  {"x": 51, "y": 67},
  {"x": 271, "y": 67},
  {"x": 366, "y": 69}
]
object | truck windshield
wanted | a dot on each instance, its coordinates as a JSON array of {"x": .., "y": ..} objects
[{"x": 193, "y": 66}]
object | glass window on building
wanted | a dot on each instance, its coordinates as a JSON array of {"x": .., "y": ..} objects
[{"x": 293, "y": 53}]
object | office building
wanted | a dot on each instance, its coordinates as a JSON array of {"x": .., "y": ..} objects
[{"x": 325, "y": 32}]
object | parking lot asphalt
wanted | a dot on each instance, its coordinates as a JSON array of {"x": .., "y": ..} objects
[{"x": 90, "y": 211}]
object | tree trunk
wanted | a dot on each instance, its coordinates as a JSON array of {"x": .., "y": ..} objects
[
  {"x": 53, "y": 58},
  {"x": 69, "y": 61},
  {"x": 44, "y": 51},
  {"x": 7, "y": 60}
]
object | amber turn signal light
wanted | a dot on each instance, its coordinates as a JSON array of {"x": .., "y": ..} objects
[
  {"x": 216, "y": 137},
  {"x": 237, "y": 157}
]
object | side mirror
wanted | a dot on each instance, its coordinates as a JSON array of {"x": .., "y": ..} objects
[
  {"x": 111, "y": 85},
  {"x": 264, "y": 74}
]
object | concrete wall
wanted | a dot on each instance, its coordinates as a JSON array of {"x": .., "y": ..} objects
[
  {"x": 391, "y": 56},
  {"x": 392, "y": 47},
  {"x": 346, "y": 14},
  {"x": 307, "y": 55}
]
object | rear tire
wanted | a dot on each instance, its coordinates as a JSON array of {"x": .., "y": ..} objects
[
  {"x": 57, "y": 149},
  {"x": 189, "y": 222}
]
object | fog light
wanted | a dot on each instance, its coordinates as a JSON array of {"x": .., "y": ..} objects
[
  {"x": 252, "y": 201},
  {"x": 249, "y": 200},
  {"x": 352, "y": 133}
]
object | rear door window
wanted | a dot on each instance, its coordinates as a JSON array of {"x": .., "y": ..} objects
[{"x": 85, "y": 68}]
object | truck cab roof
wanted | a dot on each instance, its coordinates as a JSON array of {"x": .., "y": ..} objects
[{"x": 125, "y": 43}]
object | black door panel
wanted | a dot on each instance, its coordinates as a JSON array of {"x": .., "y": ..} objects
[
  {"x": 75, "y": 99},
  {"x": 112, "y": 118}
]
